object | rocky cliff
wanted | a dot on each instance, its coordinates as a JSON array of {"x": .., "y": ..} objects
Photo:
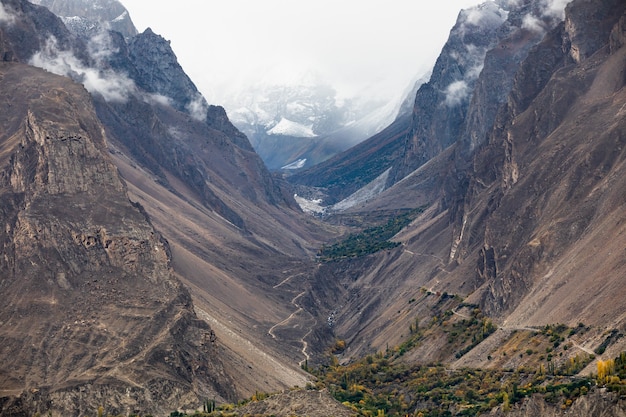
[
  {"x": 87, "y": 17},
  {"x": 469, "y": 83},
  {"x": 540, "y": 129},
  {"x": 27, "y": 29},
  {"x": 234, "y": 232},
  {"x": 528, "y": 224},
  {"x": 91, "y": 314}
]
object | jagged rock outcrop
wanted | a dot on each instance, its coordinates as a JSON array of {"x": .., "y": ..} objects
[
  {"x": 159, "y": 72},
  {"x": 441, "y": 104},
  {"x": 574, "y": 86},
  {"x": 91, "y": 310},
  {"x": 87, "y": 17},
  {"x": 185, "y": 141},
  {"x": 588, "y": 27},
  {"x": 29, "y": 28}
]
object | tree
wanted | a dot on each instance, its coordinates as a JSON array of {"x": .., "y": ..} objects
[{"x": 605, "y": 369}]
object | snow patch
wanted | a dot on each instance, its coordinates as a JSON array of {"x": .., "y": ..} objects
[
  {"x": 296, "y": 164},
  {"x": 121, "y": 17},
  {"x": 310, "y": 206},
  {"x": 287, "y": 127}
]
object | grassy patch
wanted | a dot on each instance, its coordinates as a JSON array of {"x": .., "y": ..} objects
[{"x": 370, "y": 240}]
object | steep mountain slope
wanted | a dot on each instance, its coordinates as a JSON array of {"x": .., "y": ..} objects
[
  {"x": 567, "y": 213},
  {"x": 234, "y": 233},
  {"x": 91, "y": 309},
  {"x": 531, "y": 227},
  {"x": 470, "y": 80}
]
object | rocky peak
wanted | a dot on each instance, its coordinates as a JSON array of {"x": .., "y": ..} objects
[
  {"x": 28, "y": 29},
  {"x": 588, "y": 25},
  {"x": 458, "y": 103},
  {"x": 87, "y": 17},
  {"x": 159, "y": 72},
  {"x": 217, "y": 119}
]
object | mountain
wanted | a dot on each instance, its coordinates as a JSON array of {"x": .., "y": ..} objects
[
  {"x": 489, "y": 40},
  {"x": 92, "y": 308},
  {"x": 151, "y": 262},
  {"x": 524, "y": 223},
  {"x": 300, "y": 125},
  {"x": 87, "y": 17},
  {"x": 109, "y": 310}
]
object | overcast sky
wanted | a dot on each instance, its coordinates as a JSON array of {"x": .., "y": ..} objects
[{"x": 364, "y": 47}]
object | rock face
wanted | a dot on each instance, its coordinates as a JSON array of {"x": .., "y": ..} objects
[
  {"x": 228, "y": 222},
  {"x": 523, "y": 216},
  {"x": 442, "y": 103},
  {"x": 28, "y": 29},
  {"x": 597, "y": 404},
  {"x": 158, "y": 72},
  {"x": 85, "y": 17},
  {"x": 545, "y": 110},
  {"x": 91, "y": 309},
  {"x": 92, "y": 306},
  {"x": 470, "y": 82},
  {"x": 197, "y": 142}
]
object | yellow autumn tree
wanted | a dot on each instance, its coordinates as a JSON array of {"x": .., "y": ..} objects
[{"x": 605, "y": 369}]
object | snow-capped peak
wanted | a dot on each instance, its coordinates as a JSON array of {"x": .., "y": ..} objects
[{"x": 287, "y": 127}]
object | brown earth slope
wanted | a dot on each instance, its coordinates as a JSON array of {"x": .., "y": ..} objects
[
  {"x": 531, "y": 227},
  {"x": 91, "y": 313}
]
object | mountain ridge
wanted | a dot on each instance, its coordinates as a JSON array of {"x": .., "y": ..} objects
[
  {"x": 520, "y": 221},
  {"x": 82, "y": 273},
  {"x": 458, "y": 245}
]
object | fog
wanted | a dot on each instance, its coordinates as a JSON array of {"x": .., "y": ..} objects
[
  {"x": 371, "y": 48},
  {"x": 112, "y": 86},
  {"x": 6, "y": 17}
]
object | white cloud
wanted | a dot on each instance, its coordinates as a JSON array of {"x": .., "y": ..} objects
[
  {"x": 554, "y": 8},
  {"x": 198, "y": 108},
  {"x": 111, "y": 85},
  {"x": 456, "y": 93},
  {"x": 486, "y": 15},
  {"x": 157, "y": 99},
  {"x": 100, "y": 46},
  {"x": 533, "y": 24},
  {"x": 371, "y": 48},
  {"x": 6, "y": 16}
]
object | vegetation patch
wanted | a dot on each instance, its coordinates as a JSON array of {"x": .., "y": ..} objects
[
  {"x": 377, "y": 386},
  {"x": 370, "y": 240}
]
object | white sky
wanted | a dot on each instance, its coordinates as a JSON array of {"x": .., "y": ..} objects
[{"x": 365, "y": 47}]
